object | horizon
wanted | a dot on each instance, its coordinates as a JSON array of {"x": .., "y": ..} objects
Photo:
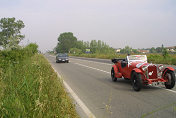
[{"x": 138, "y": 24}]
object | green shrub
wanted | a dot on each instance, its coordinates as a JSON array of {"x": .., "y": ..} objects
[
  {"x": 29, "y": 87},
  {"x": 173, "y": 61}
]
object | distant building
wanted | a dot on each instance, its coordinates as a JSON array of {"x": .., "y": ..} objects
[
  {"x": 117, "y": 50},
  {"x": 171, "y": 49},
  {"x": 143, "y": 51},
  {"x": 87, "y": 50}
]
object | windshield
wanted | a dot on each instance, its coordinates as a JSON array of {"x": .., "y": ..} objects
[
  {"x": 62, "y": 55},
  {"x": 137, "y": 58}
]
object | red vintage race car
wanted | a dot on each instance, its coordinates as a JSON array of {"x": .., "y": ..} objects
[{"x": 136, "y": 69}]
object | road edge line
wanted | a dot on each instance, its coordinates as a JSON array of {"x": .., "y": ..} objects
[
  {"x": 109, "y": 72},
  {"x": 76, "y": 98}
]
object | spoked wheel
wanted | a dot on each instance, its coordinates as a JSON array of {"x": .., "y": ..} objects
[
  {"x": 136, "y": 81},
  {"x": 114, "y": 79},
  {"x": 170, "y": 77}
]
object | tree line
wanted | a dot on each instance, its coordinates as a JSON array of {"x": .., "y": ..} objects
[{"x": 68, "y": 43}]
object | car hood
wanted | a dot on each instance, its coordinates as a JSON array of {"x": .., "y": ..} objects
[{"x": 139, "y": 64}]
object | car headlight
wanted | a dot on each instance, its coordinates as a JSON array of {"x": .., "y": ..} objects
[
  {"x": 160, "y": 67},
  {"x": 144, "y": 68}
]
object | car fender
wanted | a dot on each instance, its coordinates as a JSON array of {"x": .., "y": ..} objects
[
  {"x": 166, "y": 69},
  {"x": 117, "y": 73},
  {"x": 115, "y": 68},
  {"x": 137, "y": 70}
]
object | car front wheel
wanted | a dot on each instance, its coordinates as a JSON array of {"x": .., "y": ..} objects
[
  {"x": 170, "y": 77},
  {"x": 114, "y": 79},
  {"x": 136, "y": 81}
]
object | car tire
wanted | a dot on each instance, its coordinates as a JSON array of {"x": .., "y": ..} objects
[
  {"x": 67, "y": 61},
  {"x": 136, "y": 81},
  {"x": 114, "y": 79},
  {"x": 171, "y": 79},
  {"x": 56, "y": 61}
]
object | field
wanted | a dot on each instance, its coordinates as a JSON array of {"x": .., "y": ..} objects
[
  {"x": 152, "y": 58},
  {"x": 30, "y": 88}
]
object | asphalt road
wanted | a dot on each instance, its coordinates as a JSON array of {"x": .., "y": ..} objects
[{"x": 90, "y": 80}]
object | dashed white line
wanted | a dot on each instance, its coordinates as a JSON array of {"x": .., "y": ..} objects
[
  {"x": 106, "y": 71},
  {"x": 109, "y": 73},
  {"x": 92, "y": 68},
  {"x": 92, "y": 61}
]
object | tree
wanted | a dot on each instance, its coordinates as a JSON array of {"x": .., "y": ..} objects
[
  {"x": 152, "y": 50},
  {"x": 93, "y": 46},
  {"x": 80, "y": 45},
  {"x": 159, "y": 49},
  {"x": 66, "y": 41},
  {"x": 165, "y": 53},
  {"x": 126, "y": 50},
  {"x": 10, "y": 34},
  {"x": 162, "y": 48},
  {"x": 135, "y": 51}
]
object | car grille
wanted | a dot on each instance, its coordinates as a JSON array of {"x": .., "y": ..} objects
[{"x": 152, "y": 72}]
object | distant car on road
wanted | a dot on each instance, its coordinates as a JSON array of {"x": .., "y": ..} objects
[
  {"x": 136, "y": 69},
  {"x": 62, "y": 57}
]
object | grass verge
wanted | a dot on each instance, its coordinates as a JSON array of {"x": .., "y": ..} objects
[{"x": 30, "y": 88}]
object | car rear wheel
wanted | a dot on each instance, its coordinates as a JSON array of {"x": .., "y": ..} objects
[
  {"x": 114, "y": 79},
  {"x": 169, "y": 75},
  {"x": 136, "y": 81}
]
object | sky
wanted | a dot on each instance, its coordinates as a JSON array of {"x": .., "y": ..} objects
[{"x": 136, "y": 23}]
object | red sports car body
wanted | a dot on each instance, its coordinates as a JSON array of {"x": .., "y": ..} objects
[{"x": 136, "y": 69}]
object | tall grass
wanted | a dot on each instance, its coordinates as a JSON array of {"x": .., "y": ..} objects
[{"x": 30, "y": 88}]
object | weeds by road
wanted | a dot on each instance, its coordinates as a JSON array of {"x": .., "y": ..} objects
[{"x": 30, "y": 88}]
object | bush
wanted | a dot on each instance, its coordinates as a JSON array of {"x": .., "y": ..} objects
[
  {"x": 8, "y": 57},
  {"x": 29, "y": 87},
  {"x": 173, "y": 61}
]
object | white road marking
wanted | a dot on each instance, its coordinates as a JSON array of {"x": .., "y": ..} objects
[
  {"x": 109, "y": 72},
  {"x": 170, "y": 90},
  {"x": 92, "y": 68},
  {"x": 92, "y": 61},
  {"x": 52, "y": 56},
  {"x": 76, "y": 98}
]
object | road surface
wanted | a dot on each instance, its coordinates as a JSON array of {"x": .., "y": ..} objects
[{"x": 90, "y": 80}]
